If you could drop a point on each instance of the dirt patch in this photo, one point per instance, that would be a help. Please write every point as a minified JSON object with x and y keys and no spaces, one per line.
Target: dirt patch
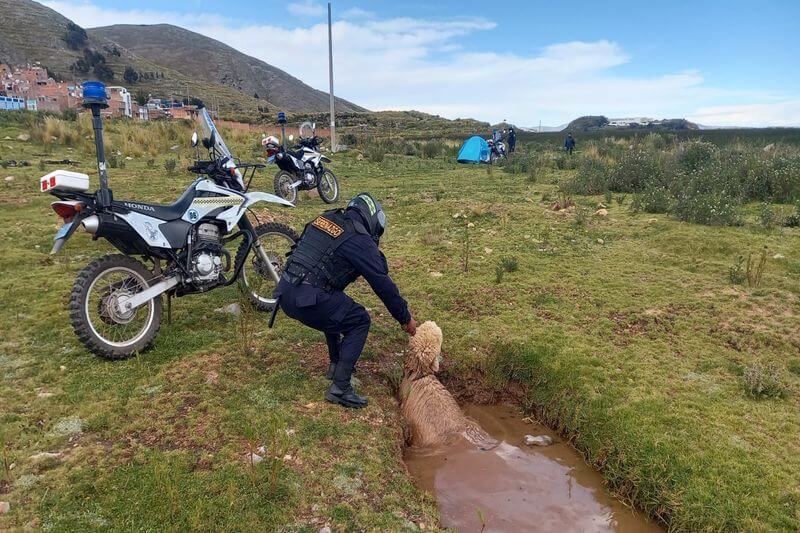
{"x":178,"y":421}
{"x":650,"y":322}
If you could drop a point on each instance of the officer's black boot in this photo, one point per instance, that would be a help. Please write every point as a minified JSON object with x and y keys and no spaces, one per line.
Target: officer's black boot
{"x":341,"y":391}
{"x":331,"y":370}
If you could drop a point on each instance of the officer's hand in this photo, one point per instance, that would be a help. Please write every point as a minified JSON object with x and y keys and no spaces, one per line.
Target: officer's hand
{"x":411,"y":327}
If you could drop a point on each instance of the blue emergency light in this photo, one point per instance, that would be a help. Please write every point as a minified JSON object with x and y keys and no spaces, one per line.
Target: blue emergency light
{"x":94,"y":93}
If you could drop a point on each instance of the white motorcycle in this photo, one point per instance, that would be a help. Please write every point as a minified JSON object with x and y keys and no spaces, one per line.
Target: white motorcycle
{"x":497,"y":150}
{"x":116,"y":306}
{"x":301,"y":168}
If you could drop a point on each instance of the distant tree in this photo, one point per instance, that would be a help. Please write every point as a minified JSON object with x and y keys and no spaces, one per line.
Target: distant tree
{"x":75,"y":36}
{"x":130,"y":75}
{"x":141,"y":97}
{"x":103,"y":71}
{"x":81,"y":66}
{"x":255,"y":95}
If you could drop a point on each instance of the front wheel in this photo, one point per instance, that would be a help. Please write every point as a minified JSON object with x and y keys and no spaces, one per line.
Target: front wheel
{"x":283,"y":186}
{"x":95,"y":317}
{"x":256,"y":280}
{"x":328,"y":187}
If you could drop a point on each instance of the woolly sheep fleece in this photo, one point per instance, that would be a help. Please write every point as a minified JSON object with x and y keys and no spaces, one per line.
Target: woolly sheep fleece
{"x":431,"y":414}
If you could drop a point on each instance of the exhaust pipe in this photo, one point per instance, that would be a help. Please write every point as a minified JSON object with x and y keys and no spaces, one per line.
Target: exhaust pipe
{"x":90,"y":224}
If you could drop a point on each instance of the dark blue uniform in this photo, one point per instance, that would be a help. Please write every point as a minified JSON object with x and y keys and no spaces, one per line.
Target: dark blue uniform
{"x":328,"y":309}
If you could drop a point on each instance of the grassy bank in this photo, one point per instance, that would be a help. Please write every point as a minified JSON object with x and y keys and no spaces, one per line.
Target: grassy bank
{"x":164,"y":439}
{"x":629,"y":332}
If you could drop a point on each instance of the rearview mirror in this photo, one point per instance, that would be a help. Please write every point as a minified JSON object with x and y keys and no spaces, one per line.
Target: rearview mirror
{"x":208,"y":144}
{"x":194,"y":139}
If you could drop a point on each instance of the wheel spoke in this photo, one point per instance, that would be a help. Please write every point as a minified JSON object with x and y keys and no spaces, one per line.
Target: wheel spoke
{"x":111,"y":326}
{"x":256,"y":275}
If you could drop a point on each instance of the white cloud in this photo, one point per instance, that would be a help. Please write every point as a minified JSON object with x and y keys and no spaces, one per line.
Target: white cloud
{"x":358,"y":13}
{"x":86,"y":14}
{"x":307,"y":8}
{"x":416,"y":63}
{"x":785,"y":113}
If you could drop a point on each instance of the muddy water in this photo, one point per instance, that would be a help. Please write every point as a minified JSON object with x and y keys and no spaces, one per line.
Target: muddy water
{"x":518,"y":488}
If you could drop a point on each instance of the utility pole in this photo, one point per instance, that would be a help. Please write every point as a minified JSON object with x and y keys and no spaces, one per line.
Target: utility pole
{"x":330,"y":71}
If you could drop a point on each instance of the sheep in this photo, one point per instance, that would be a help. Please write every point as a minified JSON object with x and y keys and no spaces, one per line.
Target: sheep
{"x":432,"y":416}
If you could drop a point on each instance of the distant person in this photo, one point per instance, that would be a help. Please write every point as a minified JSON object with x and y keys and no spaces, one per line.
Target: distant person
{"x":569,"y":143}
{"x":497,"y":136}
{"x":512,"y":140}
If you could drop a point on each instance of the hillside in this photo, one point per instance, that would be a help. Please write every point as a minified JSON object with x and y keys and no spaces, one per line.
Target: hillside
{"x":597,"y":122}
{"x":31,"y":33}
{"x":587,"y":123}
{"x":203,"y":58}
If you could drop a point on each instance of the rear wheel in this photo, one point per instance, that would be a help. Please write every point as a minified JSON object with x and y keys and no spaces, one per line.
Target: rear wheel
{"x":283,"y":186}
{"x":99,"y":324}
{"x":328,"y":187}
{"x":276,"y":240}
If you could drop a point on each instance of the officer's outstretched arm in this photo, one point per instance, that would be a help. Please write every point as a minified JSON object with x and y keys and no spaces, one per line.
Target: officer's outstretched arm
{"x":369,"y":261}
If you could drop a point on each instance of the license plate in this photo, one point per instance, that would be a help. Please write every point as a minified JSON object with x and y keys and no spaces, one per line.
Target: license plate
{"x":63,"y":231}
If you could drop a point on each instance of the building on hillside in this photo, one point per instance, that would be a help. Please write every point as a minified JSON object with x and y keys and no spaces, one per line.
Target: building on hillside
{"x":120,"y":103}
{"x":9,"y":103}
{"x":39,"y":91}
{"x":628,"y":122}
{"x":152,"y":110}
{"x":183,"y":112}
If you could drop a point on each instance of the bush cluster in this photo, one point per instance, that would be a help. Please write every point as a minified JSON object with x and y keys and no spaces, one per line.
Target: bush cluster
{"x":696,"y":181}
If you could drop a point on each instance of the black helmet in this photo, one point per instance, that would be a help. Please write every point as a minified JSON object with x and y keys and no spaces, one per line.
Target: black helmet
{"x":371,"y":213}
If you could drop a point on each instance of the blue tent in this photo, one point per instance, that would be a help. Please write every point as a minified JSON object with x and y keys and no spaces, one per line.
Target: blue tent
{"x":474,"y":150}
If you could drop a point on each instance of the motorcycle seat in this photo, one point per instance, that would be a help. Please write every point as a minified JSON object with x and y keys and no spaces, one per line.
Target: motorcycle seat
{"x":297,"y":154}
{"x":171,"y":211}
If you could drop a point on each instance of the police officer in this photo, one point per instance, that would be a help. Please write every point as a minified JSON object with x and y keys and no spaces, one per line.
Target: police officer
{"x":334,"y":250}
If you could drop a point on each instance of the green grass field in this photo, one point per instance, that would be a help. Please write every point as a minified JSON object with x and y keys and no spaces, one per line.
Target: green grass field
{"x":625,"y":332}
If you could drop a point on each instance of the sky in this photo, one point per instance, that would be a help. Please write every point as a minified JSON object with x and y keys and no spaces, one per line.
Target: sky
{"x":720,"y":63}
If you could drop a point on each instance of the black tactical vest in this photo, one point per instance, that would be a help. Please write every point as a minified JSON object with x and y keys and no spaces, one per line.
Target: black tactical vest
{"x":313,"y":261}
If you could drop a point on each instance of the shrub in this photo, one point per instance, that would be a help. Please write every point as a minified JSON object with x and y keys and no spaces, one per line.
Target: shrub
{"x":633,"y":170}
{"x":696,"y":154}
{"x":565,"y":162}
{"x":151,"y":163}
{"x":432,"y":149}
{"x":375,"y":153}
{"x":704,"y":197}
{"x":764,"y":381}
{"x":736,"y":273}
{"x":581,"y":216}
{"x":592,"y":177}
{"x":170,"y":164}
{"x":766,"y":216}
{"x":70,"y":114}
{"x":532,"y":175}
{"x":654,"y":199}
{"x":755,"y":268}
{"x":112,"y":160}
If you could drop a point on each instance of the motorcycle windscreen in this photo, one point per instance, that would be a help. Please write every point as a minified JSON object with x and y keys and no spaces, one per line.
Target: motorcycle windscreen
{"x":208,"y":127}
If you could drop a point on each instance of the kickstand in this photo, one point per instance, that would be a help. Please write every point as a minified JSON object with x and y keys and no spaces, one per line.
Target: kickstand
{"x":169,"y":309}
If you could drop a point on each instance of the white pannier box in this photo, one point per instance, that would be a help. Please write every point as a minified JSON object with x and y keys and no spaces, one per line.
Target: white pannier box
{"x":65,"y":180}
